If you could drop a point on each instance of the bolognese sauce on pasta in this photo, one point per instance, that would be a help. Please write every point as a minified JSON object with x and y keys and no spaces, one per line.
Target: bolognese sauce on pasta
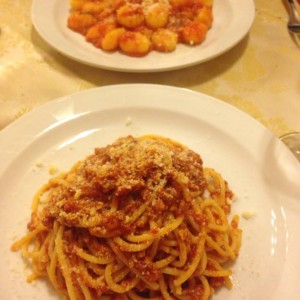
{"x":138,"y":219}
{"x":136,"y":27}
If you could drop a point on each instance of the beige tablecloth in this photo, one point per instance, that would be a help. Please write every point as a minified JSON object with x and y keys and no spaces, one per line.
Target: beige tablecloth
{"x":260,"y":75}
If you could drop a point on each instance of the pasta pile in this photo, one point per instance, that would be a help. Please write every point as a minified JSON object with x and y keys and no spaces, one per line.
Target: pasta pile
{"x":138,"y":26}
{"x":138,"y":219}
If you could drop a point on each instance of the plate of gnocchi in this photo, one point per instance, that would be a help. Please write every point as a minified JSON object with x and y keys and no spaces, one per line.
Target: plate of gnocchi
{"x":142,"y":35}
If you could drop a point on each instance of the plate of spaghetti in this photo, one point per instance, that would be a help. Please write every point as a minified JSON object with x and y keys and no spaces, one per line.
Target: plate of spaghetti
{"x":101,"y":201}
{"x":145,"y":35}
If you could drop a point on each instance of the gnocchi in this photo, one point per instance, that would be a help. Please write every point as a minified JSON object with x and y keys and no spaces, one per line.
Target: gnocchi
{"x":134,"y":43}
{"x":157,"y":16}
{"x":193,"y":33}
{"x":136,"y":27}
{"x":130,"y":15}
{"x":164,"y":40}
{"x":111,"y":40}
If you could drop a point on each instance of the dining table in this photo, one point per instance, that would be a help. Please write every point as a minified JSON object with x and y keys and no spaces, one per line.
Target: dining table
{"x":258,"y":76}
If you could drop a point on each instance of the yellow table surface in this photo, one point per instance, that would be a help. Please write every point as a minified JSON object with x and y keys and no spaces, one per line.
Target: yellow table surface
{"x":260,"y":75}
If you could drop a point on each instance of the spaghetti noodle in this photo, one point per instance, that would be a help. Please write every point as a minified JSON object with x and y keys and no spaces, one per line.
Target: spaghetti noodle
{"x":138,"y":219}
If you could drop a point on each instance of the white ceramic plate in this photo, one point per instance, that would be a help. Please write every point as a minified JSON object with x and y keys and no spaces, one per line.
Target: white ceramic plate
{"x":259,"y":168}
{"x":232,"y":21}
